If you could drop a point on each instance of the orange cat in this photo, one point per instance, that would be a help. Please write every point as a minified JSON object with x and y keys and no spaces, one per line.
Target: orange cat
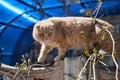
{"x":73,"y":32}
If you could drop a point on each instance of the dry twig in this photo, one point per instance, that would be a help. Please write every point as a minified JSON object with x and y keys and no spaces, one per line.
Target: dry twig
{"x":113,"y":51}
{"x":80,"y":74}
{"x":94,"y":62}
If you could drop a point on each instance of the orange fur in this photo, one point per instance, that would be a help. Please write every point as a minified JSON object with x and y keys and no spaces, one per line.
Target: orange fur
{"x":72,"y":32}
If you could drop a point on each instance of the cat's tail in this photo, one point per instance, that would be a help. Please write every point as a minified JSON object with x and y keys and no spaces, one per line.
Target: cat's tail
{"x":103,"y":23}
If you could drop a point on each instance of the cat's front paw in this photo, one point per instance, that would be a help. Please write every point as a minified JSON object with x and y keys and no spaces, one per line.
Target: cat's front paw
{"x":40,"y":60}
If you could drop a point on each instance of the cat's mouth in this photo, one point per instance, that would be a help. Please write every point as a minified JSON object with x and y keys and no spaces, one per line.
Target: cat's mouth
{"x":48,"y":40}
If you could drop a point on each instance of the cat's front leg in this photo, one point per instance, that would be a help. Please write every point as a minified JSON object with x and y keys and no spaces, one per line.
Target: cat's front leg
{"x":61,"y":53}
{"x":43,"y":52}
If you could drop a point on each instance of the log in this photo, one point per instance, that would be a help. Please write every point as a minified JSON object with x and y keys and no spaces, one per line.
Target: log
{"x":62,"y":70}
{"x":105,"y":75}
{"x":54,"y":72}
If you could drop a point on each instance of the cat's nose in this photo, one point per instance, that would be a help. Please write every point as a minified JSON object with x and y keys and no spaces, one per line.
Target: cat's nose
{"x":46,"y":38}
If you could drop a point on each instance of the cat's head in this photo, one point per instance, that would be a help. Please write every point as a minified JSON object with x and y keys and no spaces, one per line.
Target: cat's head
{"x":44,"y":31}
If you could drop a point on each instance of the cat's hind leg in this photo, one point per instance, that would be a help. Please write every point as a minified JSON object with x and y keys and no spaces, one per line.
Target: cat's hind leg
{"x":61,"y":53}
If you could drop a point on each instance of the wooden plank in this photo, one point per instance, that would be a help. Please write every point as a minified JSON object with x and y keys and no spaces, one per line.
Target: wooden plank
{"x":54,"y":72}
{"x":72,"y":67}
{"x":105,"y":75}
{"x":58,"y":71}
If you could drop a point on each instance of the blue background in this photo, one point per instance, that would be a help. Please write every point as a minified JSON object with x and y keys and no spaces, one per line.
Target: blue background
{"x":19,"y":16}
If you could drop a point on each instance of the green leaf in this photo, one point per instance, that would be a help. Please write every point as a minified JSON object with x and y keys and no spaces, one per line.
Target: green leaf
{"x":102,"y":55}
{"x":29,"y":62}
{"x":16,"y":65}
{"x":95,"y":51}
{"x":103,"y":36}
{"x":83,"y":35}
{"x":23,"y":65}
{"x":99,"y":0}
{"x":86,"y":52}
{"x":115,"y":51}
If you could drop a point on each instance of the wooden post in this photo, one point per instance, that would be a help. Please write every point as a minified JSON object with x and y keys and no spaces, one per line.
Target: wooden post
{"x":72,"y":67}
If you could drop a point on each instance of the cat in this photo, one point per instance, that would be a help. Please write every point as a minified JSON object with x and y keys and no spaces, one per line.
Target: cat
{"x":74,"y":32}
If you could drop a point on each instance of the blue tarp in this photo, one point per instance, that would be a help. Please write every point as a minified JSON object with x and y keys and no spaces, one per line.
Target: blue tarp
{"x":17,"y":18}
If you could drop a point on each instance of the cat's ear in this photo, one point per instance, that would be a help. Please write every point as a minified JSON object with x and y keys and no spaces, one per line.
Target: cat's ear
{"x":98,"y":29}
{"x":57,"y":22}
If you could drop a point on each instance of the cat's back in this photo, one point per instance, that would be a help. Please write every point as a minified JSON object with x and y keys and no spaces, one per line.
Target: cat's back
{"x":71,"y":28}
{"x":70,"y":19}
{"x":76,"y":28}
{"x":77,"y":20}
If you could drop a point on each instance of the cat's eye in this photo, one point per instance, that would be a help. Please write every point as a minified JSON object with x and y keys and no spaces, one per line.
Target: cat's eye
{"x":38,"y":27}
